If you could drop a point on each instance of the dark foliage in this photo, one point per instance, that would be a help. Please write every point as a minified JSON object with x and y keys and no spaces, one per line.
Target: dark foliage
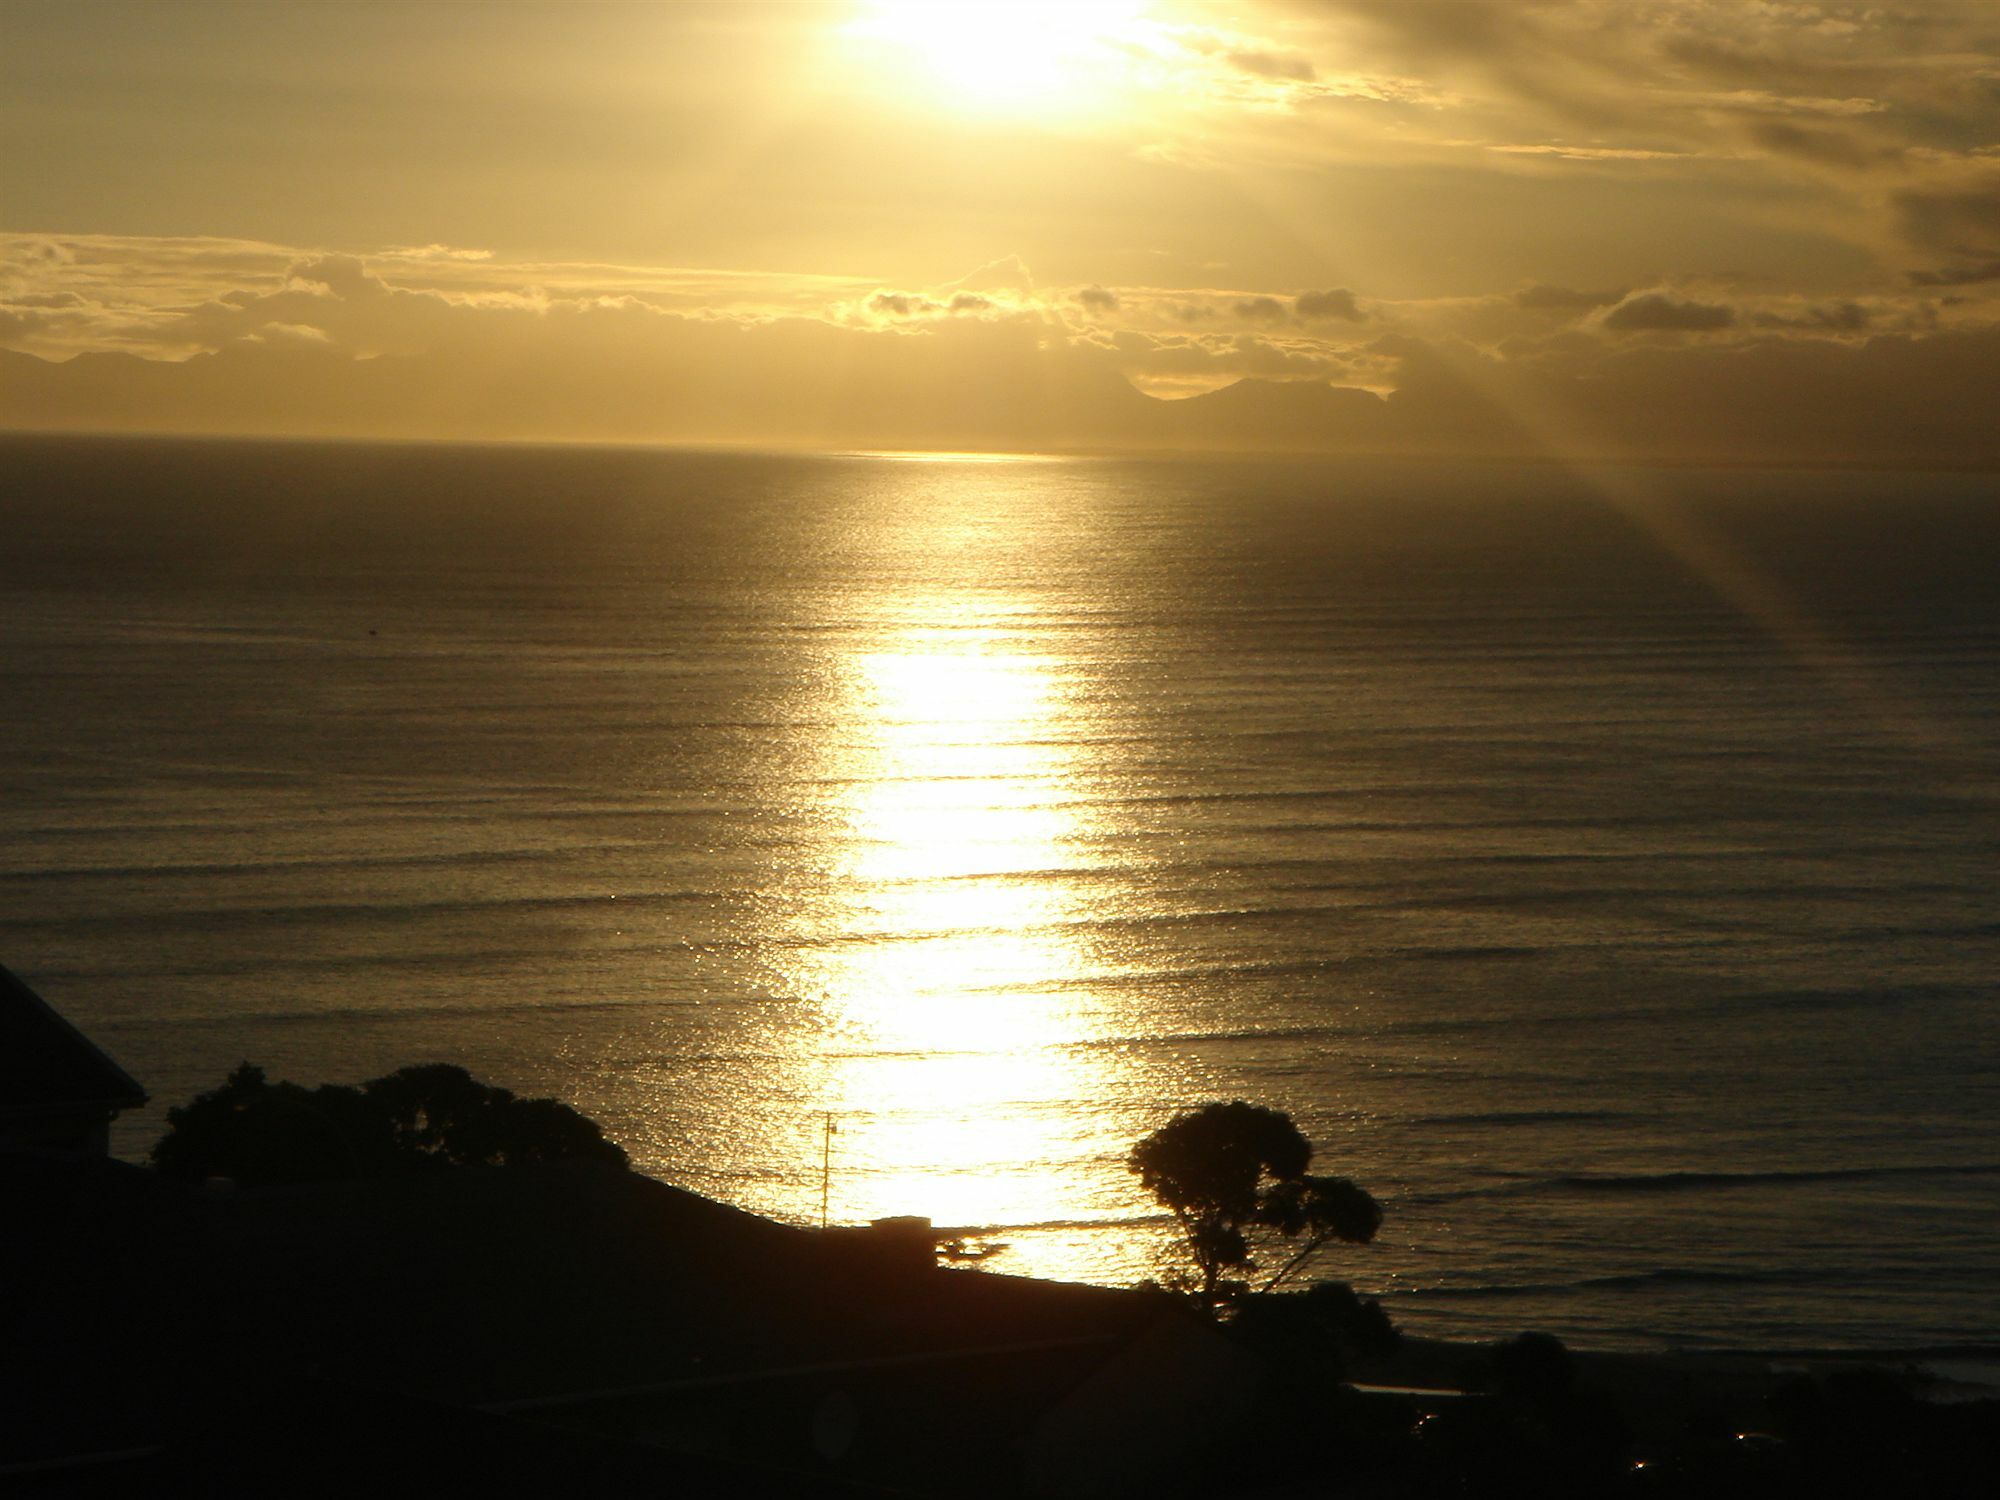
{"x":1862,"y":1432}
{"x":1540,"y":1427}
{"x":1534,"y":1367}
{"x":1234,"y":1177}
{"x":418,"y":1118}
{"x":1308,"y":1340}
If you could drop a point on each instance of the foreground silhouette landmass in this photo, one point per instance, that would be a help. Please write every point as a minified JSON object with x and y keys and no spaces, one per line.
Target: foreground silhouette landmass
{"x":582,"y":1329}
{"x":149,"y":1314}
{"x":426,"y":1286}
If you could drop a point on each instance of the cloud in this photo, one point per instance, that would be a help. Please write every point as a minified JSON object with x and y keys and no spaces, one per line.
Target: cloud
{"x":1956,"y":217}
{"x":1542,"y":297}
{"x":338,"y":296}
{"x":919,"y":305}
{"x":1828,"y":317}
{"x":436,"y":253}
{"x":1259,"y":309}
{"x":26,"y":255}
{"x":1007,"y":274}
{"x":1657,"y":312}
{"x":1827,"y":147}
{"x":1337,"y":303}
{"x":343,"y":276}
{"x":147,"y":274}
{"x":49,"y":299}
{"x":1968,"y":274}
{"x":1569,"y":151}
{"x":1830,"y":108}
{"x":1955,"y":220}
{"x":902,"y":304}
{"x":1616,"y":60}
{"x":1098,"y":299}
{"x":1763,"y":101}
{"x":1266,"y":64}
{"x":291,"y":333}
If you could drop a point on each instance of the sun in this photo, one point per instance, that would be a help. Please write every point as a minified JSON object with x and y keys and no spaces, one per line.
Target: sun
{"x":1003,"y":55}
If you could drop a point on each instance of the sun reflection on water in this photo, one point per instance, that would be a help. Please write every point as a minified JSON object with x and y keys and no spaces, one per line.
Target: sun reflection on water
{"x":944,"y":957}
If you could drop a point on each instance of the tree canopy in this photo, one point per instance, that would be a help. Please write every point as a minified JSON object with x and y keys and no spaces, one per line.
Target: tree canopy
{"x":1235,"y":1178}
{"x":418,"y":1118}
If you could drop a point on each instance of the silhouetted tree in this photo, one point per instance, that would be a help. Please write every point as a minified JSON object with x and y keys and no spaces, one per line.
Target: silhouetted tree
{"x":429,"y":1116}
{"x":435,"y":1109}
{"x":439,"y":1110}
{"x":1231,"y":1172}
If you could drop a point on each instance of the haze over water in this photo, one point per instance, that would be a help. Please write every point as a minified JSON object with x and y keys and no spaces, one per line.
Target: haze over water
{"x":1600,"y":868}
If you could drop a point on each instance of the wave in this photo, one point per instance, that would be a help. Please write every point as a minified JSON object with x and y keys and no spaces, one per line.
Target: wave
{"x":1666,"y":1276}
{"x":333,"y":913}
{"x":1471,"y":951}
{"x":1675,"y":1182}
{"x":1644,"y":1183}
{"x":1723,"y":1007}
{"x":1529,"y":1117}
{"x":1669,"y":1276}
{"x":534,"y":854}
{"x":480,"y":1010}
{"x":178,"y":868}
{"x":456,"y":959}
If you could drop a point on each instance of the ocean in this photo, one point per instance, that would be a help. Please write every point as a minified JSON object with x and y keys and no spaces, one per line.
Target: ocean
{"x":1599,"y":866}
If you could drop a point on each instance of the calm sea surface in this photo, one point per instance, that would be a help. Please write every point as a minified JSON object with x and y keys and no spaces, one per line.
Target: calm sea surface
{"x":1604,"y":869}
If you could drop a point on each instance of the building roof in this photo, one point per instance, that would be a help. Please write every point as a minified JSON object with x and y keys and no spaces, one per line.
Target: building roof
{"x":47,"y":1063}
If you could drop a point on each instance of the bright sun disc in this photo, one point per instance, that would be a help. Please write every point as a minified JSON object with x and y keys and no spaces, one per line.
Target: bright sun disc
{"x":1004,"y":54}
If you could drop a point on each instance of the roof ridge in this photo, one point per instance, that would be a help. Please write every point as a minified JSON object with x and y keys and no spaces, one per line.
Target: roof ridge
{"x":119,"y":1088}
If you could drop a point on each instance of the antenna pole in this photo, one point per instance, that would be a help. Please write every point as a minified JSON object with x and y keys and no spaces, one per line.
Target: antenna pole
{"x":825,"y":1169}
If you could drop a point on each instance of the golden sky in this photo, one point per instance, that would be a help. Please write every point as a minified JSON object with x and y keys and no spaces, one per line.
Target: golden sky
{"x":1682,"y":229}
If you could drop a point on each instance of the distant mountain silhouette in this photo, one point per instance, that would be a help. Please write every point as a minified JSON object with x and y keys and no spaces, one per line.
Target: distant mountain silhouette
{"x":1291,"y":415}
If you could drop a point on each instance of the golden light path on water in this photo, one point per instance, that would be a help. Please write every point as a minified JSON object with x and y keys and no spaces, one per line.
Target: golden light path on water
{"x":943,"y":948}
{"x":947,"y":1065}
